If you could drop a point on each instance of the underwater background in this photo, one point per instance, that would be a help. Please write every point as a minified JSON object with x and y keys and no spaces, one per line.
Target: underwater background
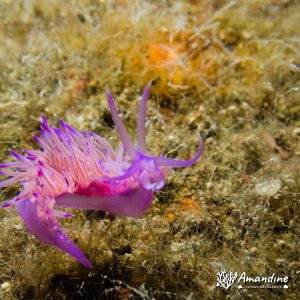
{"x":229,"y":70}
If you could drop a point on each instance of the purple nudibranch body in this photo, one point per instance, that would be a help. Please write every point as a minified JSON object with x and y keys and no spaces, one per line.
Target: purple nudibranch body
{"x":81,"y":170}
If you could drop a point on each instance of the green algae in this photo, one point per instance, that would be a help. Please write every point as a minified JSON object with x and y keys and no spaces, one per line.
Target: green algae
{"x":237,"y":208}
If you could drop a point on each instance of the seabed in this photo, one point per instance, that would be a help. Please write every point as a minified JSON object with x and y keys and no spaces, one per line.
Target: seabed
{"x":229,"y":70}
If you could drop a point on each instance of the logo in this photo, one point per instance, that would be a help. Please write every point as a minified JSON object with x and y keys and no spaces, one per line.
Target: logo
{"x":226,"y":280}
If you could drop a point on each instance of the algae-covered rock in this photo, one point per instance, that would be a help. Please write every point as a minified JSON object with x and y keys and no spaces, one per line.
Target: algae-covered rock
{"x":226,"y":69}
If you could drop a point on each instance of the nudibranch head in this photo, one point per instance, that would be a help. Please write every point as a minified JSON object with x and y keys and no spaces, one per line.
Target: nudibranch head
{"x":81,"y":170}
{"x":147,"y":169}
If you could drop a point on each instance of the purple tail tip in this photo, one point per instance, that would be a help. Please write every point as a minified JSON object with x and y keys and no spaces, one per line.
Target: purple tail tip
{"x":6,"y":204}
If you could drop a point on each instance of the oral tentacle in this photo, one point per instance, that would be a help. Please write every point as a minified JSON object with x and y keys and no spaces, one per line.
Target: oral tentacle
{"x":128,"y":173}
{"x":169,"y":162}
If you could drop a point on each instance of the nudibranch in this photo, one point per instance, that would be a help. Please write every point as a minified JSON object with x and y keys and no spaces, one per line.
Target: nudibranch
{"x":81,"y":170}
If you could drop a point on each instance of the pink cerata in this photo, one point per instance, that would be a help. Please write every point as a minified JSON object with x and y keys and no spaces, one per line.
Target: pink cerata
{"x":81,"y":170}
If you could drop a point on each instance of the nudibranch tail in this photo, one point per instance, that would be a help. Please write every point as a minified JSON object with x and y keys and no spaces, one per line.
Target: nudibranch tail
{"x":81,"y":170}
{"x":47,"y":229}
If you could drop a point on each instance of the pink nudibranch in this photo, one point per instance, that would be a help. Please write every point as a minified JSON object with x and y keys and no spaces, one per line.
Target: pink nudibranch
{"x":81,"y":170}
